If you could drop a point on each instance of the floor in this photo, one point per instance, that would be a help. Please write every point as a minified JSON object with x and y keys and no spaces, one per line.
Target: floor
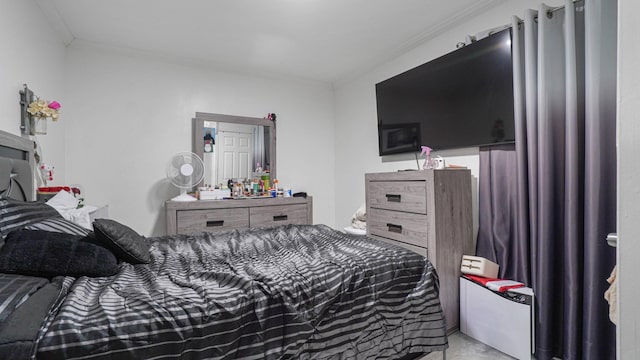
{"x":463,"y":347}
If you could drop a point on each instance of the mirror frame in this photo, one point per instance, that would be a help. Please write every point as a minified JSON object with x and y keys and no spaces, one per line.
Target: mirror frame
{"x":198,"y":134}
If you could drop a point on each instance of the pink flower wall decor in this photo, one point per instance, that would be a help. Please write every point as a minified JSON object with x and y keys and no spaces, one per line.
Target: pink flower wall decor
{"x":54,"y":105}
{"x":42,"y":109}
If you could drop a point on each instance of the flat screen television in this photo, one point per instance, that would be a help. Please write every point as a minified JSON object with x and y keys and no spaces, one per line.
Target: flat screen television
{"x":461,"y":99}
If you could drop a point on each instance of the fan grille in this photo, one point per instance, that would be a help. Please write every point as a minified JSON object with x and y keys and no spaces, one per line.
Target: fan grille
{"x":185,"y":170}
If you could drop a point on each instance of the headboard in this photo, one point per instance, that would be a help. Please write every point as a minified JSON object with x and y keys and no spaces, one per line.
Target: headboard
{"x":16,"y":167}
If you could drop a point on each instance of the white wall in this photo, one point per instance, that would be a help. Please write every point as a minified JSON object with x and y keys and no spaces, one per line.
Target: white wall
{"x":628,"y":180}
{"x":356,"y":121}
{"x":128,"y":113}
{"x":31,"y":54}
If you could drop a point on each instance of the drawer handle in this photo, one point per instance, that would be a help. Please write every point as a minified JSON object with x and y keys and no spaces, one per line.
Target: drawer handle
{"x":393,"y":197}
{"x":213,"y":223}
{"x":280,"y":217}
{"x":394,"y":228}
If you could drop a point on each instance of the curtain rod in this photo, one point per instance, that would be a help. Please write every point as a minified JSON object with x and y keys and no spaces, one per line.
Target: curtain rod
{"x":552,"y":10}
{"x":520,"y":21}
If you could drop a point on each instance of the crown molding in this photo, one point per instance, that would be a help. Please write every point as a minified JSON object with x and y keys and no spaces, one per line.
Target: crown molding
{"x":479,"y":7}
{"x":56,"y":21}
{"x":189,"y":62}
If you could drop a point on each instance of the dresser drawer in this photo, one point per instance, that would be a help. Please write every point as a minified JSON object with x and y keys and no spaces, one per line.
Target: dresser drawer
{"x":404,"y":227}
{"x":278,"y":215}
{"x":408,"y":196}
{"x":192,"y":221}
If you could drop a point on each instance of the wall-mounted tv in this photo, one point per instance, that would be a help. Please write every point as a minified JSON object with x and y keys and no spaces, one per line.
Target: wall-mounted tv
{"x":461,"y":99}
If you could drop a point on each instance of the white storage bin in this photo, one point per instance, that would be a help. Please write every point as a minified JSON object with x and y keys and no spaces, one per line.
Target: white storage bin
{"x":504,"y":322}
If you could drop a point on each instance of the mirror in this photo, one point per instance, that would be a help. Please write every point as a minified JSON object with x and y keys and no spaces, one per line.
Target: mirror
{"x":234,"y":147}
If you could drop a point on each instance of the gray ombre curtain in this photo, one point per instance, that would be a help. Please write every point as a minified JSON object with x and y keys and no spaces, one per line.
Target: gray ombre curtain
{"x":547,"y":206}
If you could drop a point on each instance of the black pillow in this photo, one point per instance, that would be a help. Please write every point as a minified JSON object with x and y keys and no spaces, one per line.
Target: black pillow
{"x":49,"y":254}
{"x":123,"y":241}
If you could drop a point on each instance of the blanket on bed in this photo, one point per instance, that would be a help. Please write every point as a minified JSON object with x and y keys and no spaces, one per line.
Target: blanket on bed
{"x":290,"y":292}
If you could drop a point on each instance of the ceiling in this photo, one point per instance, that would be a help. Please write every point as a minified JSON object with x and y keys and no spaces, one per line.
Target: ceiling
{"x":323,"y":40}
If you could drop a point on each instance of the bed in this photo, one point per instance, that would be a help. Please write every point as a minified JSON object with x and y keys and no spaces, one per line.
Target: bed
{"x":287,"y":292}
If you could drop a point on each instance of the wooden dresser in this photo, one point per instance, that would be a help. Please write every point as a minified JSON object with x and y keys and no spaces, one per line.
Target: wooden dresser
{"x":428,"y":212}
{"x":216,"y":215}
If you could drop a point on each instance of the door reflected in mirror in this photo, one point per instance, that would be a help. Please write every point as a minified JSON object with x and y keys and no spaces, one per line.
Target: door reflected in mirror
{"x":234,"y":147}
{"x":234,"y":151}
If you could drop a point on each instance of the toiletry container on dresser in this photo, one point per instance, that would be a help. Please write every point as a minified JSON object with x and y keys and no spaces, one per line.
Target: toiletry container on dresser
{"x":428,"y":212}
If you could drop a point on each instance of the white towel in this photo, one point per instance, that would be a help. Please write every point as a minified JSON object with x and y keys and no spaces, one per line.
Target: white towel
{"x":612,"y":294}
{"x":67,"y":205}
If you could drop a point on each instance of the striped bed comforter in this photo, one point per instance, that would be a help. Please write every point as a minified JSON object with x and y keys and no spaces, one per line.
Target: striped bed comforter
{"x":290,"y":292}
